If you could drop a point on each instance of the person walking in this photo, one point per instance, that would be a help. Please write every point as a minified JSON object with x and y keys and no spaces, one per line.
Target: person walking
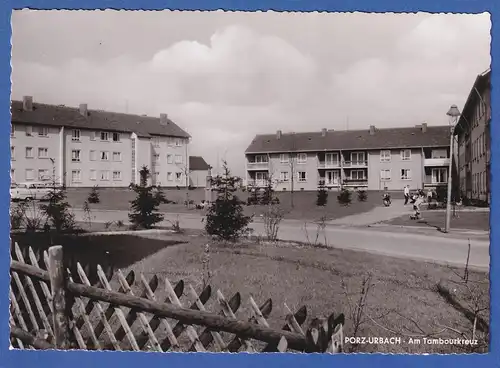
{"x":407,"y":194}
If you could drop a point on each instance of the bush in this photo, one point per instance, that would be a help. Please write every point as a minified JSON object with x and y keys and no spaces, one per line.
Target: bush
{"x":362,"y":195}
{"x":57,"y":210}
{"x":17,"y":216}
{"x":144,"y":208}
{"x":272,"y":219}
{"x":442,"y":193}
{"x":254,"y":198}
{"x":322,"y":196}
{"x":225,"y":218}
{"x":94,"y":196}
{"x":344,"y":198}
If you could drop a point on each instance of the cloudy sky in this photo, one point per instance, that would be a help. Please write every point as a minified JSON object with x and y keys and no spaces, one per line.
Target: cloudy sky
{"x":225,"y":77}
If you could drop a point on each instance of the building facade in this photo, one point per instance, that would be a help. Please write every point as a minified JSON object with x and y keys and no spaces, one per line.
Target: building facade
{"x":473,"y":136}
{"x":375,"y":159}
{"x":199,"y":171}
{"x":78,"y":147}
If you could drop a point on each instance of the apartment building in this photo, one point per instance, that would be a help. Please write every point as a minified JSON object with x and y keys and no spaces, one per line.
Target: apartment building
{"x":373,"y":159}
{"x":473,"y":135}
{"x":79,"y":147}
{"x":199,"y":171}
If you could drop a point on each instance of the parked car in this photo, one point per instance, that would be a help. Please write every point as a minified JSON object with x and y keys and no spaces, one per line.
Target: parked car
{"x":29,"y":191}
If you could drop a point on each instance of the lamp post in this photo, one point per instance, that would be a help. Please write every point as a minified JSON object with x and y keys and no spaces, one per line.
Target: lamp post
{"x":453,"y":114}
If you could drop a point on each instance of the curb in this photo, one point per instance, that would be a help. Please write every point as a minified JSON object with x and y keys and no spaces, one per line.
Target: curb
{"x":456,"y":230}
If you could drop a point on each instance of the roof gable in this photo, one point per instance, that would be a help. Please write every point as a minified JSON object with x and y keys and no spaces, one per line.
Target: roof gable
{"x":197,"y":163}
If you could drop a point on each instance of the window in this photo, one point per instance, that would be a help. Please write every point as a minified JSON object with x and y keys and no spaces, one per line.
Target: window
{"x":331,"y":159}
{"x":302,"y":158}
{"x":284,"y":158}
{"x":12,"y":130}
{"x":261,"y":159}
{"x":12,"y":153}
{"x":29,"y":130}
{"x":104,"y":136}
{"x":156,"y":158}
{"x":170,"y":159}
{"x":104,"y":156}
{"x":75,"y":135}
{"x":405,"y":174}
{"x":178,"y":142}
{"x":385,"y":174}
{"x":93,"y":175}
{"x":406,"y":155}
{"x":302,"y":176}
{"x":30,"y":174}
{"x":385,"y":156}
{"x":76,"y":176}
{"x":43,"y":174}
{"x":43,"y":152}
{"x":117,"y":175}
{"x":117,"y":156}
{"x":92,"y":155}
{"x":13,"y":175}
{"x":178,"y":159}
{"x":93,"y":136}
{"x":439,"y":153}
{"x":284,"y":176}
{"x":156,"y":175}
{"x":439,"y":175}
{"x":75,"y":155}
{"x":156,"y":141}
{"x":104,"y":175}
{"x":170,"y":142}
{"x":170,"y":176}
{"x":178,"y":176}
{"x":116,"y":137}
{"x":357,"y":158}
{"x":357,"y":175}
{"x":43,"y":131}
{"x":29,"y":152}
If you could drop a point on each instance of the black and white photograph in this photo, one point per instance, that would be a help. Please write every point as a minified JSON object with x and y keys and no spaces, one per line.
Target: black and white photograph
{"x":256,"y":182}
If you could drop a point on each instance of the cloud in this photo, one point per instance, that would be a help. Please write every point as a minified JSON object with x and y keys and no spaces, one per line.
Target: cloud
{"x":256,"y":75}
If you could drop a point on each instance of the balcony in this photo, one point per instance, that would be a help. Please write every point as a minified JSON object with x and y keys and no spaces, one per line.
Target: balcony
{"x":436,"y":162}
{"x":257,"y":183}
{"x":257,"y":165}
{"x":355,"y":164}
{"x":328,"y":164}
{"x":356,"y":182}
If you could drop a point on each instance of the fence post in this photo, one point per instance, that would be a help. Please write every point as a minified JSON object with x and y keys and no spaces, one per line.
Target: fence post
{"x":57,"y":276}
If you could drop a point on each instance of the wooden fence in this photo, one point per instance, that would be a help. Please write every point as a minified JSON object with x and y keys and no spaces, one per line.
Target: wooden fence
{"x":52,"y":308}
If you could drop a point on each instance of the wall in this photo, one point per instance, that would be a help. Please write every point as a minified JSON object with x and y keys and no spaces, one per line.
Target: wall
{"x":198,"y":178}
{"x":91,"y":141}
{"x":396,"y":164}
{"x":310,"y":167}
{"x":20,"y":163}
{"x":168,"y":172}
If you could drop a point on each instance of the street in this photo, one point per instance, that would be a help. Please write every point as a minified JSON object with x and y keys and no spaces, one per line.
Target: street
{"x":433,"y":247}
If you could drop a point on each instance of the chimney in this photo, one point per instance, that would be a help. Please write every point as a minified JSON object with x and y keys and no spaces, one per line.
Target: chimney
{"x":372,"y":129}
{"x":83,"y":110}
{"x":424,"y":127}
{"x":163,"y":119}
{"x":278,"y":134}
{"x":28,"y":103}
{"x":323,"y":132}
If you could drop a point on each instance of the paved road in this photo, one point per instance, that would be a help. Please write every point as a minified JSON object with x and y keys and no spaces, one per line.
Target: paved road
{"x":442,"y":248}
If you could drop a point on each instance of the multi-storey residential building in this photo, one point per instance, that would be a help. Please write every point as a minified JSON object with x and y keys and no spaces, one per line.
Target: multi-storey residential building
{"x":374,"y":159}
{"x":473,"y":133}
{"x":79,"y":147}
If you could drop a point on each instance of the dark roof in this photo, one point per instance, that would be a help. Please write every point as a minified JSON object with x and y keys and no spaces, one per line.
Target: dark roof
{"x":482,"y":82}
{"x":197,"y":163}
{"x":54,"y":115}
{"x":434,"y":136}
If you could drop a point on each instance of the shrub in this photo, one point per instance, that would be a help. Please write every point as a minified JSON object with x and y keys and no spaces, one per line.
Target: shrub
{"x":57,"y":210}
{"x":272,"y":219}
{"x":144,"y":208}
{"x":442,"y":193}
{"x":254,"y":198}
{"x":344,"y":197}
{"x":362,"y":195}
{"x":225,"y":218}
{"x":322,"y":196}
{"x":94,"y":196}
{"x":17,"y":216}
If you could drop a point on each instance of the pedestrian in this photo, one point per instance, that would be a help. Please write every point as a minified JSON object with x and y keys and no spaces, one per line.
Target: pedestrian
{"x":429,"y":196}
{"x":407,"y":194}
{"x":416,"y":206}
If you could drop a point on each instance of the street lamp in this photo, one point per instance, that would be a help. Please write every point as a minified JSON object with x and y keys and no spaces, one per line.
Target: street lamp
{"x":453,"y":114}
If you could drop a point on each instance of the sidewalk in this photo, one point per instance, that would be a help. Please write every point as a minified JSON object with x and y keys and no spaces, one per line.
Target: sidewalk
{"x":377,"y":214}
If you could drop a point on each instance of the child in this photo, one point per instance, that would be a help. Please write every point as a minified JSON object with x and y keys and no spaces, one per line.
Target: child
{"x":416,"y":206}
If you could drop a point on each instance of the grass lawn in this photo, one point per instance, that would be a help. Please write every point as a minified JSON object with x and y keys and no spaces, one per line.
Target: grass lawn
{"x":304,"y":202}
{"x":436,"y":219}
{"x":403,"y":299}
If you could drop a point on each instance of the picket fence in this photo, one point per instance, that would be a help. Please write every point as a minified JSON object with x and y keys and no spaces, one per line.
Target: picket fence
{"x":51,"y":308}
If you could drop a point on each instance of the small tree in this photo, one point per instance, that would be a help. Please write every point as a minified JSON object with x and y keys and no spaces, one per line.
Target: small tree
{"x":225,"y":218}
{"x":94,"y":195}
{"x":362,"y":196}
{"x":57,"y":210}
{"x":344,"y":197}
{"x":322,"y":196}
{"x":144,"y":208}
{"x":254,"y":197}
